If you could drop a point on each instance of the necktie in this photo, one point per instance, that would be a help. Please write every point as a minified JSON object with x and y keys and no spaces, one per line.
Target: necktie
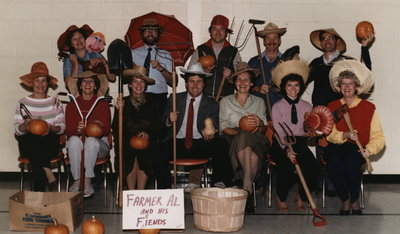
{"x":293,"y":110}
{"x":147,"y":60}
{"x":189,"y":126}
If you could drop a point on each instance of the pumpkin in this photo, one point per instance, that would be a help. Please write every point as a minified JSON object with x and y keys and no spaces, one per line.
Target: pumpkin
{"x":56,"y":228}
{"x":363,"y":29}
{"x":244,"y":124}
{"x":209,"y":129}
{"x":207,"y":61}
{"x":149,"y":231}
{"x":94,"y":129}
{"x":38,"y":127}
{"x":93,"y":226}
{"x":139,"y":143}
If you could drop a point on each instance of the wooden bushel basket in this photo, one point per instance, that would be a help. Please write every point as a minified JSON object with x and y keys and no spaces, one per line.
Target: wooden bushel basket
{"x":219,"y":210}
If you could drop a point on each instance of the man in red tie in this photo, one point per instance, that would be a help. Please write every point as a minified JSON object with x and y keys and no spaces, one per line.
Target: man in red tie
{"x":193,"y":108}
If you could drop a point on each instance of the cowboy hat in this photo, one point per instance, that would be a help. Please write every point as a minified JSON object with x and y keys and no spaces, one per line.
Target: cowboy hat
{"x":196,"y":69}
{"x":363,"y":74}
{"x":241,"y":67}
{"x":38,"y":69}
{"x":220,"y":20}
{"x":62,"y":40}
{"x":150,"y":23}
{"x":290,"y":67}
{"x":73,"y":83}
{"x":139,"y":72}
{"x":271,"y":28}
{"x":314,"y":38}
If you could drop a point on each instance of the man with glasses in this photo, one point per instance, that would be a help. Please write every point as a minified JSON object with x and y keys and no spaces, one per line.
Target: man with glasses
{"x":158,"y":62}
{"x":225,"y":55}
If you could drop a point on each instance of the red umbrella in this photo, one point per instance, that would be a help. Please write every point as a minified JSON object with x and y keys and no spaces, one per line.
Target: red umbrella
{"x":175,"y":37}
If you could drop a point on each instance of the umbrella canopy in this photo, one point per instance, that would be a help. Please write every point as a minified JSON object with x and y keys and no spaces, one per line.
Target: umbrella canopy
{"x":175,"y":37}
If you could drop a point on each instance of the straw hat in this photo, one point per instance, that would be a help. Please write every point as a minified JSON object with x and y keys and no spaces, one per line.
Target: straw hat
{"x":220,"y":20}
{"x":73,"y":83}
{"x":241,"y":67}
{"x":150,"y":23}
{"x":290,"y":67}
{"x":271,"y":28}
{"x":62,"y":40}
{"x":139,"y":72}
{"x":38,"y":69}
{"x":363,"y":74}
{"x":314,"y":38}
{"x":196,"y":69}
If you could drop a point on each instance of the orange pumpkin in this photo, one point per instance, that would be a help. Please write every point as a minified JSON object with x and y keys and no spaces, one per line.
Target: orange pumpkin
{"x":56,"y":228}
{"x":93,"y":226}
{"x":94,"y":129}
{"x":38,"y":127}
{"x":139,"y":143}
{"x":363,"y":29}
{"x":207,"y":61}
{"x":245,"y":125}
{"x":149,"y":231}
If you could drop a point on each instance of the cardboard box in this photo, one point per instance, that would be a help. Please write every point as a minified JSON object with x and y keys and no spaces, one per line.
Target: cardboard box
{"x":33,"y":211}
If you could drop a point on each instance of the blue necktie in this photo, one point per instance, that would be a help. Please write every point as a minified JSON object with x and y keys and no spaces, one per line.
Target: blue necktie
{"x":147,"y":60}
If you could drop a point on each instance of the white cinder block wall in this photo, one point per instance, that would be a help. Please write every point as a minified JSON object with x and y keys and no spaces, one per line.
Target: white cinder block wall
{"x":30,"y":29}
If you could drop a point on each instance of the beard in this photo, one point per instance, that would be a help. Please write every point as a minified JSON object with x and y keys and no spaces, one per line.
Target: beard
{"x":148,"y":41}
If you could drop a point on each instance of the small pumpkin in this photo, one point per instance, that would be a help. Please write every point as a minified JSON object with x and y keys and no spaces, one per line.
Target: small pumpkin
{"x":56,"y":228}
{"x":363,"y":29}
{"x":244,"y":124}
{"x":139,"y":143}
{"x":209,"y":129}
{"x":93,"y":226}
{"x":94,"y":129}
{"x":38,"y":127}
{"x":149,"y":231}
{"x":207,"y":61}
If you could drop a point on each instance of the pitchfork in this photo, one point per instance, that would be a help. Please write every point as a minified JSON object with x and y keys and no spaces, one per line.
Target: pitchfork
{"x":290,"y":140}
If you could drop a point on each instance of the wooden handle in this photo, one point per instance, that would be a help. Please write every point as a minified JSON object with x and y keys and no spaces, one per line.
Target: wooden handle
{"x":220,"y":89}
{"x":120,"y":148}
{"x":360,"y":147}
{"x":174,"y":124}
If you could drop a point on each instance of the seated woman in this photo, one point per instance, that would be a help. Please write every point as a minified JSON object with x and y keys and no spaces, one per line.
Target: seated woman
{"x":344,"y":161}
{"x":88,"y":87}
{"x":140,"y":118}
{"x":291,"y":76}
{"x":40,"y":148}
{"x":73,"y":41}
{"x":247,"y":148}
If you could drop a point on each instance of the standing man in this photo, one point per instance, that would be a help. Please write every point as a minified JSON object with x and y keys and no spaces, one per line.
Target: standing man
{"x":158,"y":62}
{"x":225,"y":55}
{"x":192,"y":109}
{"x":270,"y":58}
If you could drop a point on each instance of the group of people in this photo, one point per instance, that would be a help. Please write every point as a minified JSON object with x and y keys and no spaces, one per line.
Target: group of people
{"x":238,"y":155}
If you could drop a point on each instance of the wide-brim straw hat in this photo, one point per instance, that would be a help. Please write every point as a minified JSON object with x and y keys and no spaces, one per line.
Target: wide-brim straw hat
{"x":38,"y":69}
{"x":62,"y":40}
{"x":73,"y":83}
{"x":271,"y":28}
{"x":196,"y":69}
{"x":290,"y":67}
{"x":139,"y":72}
{"x":364,"y":75}
{"x":241,"y":67}
{"x":314,"y":38}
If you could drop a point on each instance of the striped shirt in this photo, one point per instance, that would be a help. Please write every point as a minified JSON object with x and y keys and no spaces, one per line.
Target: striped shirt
{"x":48,"y":109}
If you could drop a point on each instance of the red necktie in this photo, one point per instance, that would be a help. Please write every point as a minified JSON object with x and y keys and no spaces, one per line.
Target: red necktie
{"x":189,"y":126}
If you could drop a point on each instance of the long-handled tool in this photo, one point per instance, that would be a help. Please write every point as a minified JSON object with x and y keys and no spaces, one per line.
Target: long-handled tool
{"x":254,"y":22}
{"x":289,"y":140}
{"x":174,"y":123}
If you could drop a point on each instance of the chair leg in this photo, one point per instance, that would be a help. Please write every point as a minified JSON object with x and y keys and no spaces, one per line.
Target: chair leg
{"x":205,"y":176}
{"x":269,"y":186}
{"x":22,"y":165}
{"x":59,"y":175}
{"x":254,"y":194}
{"x":67,"y":172}
{"x":30,"y":176}
{"x":105,"y":184}
{"x":324,"y":190}
{"x":362,"y":196}
{"x":117,"y":192}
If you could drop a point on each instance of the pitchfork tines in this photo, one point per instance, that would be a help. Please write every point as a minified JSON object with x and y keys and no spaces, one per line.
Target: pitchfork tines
{"x":289,"y":137}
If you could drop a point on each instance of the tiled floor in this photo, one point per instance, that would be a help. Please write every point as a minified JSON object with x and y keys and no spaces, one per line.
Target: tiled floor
{"x":381,"y":215}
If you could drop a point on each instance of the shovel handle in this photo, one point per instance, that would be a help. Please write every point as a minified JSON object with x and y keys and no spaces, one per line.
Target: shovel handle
{"x":360,"y":147}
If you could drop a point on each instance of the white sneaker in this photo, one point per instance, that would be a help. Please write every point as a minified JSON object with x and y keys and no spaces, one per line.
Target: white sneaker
{"x":88,"y":191}
{"x":74,"y":187}
{"x":190,"y":187}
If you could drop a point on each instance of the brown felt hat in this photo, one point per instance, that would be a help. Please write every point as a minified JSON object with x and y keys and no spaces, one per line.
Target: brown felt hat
{"x":62,"y":40}
{"x":241,"y":67}
{"x":38,"y":69}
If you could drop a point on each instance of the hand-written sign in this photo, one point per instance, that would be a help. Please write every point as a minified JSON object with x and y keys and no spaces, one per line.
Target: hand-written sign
{"x":158,"y":209}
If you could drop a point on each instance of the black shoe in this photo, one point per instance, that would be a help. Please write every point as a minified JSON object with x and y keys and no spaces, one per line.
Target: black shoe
{"x":356,"y":212}
{"x":344,"y":212}
{"x":249,"y":204}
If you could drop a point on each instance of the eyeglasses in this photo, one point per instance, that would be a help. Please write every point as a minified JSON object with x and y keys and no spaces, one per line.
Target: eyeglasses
{"x":329,"y":38}
{"x":149,"y":30}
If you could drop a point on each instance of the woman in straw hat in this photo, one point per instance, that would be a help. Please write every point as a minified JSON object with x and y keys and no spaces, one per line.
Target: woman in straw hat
{"x":39,"y":149}
{"x":291,"y":77}
{"x":141,"y":118}
{"x":73,"y":41}
{"x":352,"y":78}
{"x":87,"y":87}
{"x":247,"y":148}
